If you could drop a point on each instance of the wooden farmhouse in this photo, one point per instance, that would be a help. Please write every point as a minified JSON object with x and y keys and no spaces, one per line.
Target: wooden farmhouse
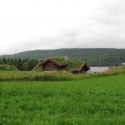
{"x":60,"y":64}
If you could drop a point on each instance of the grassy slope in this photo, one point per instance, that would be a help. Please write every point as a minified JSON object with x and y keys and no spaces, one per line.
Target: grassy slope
{"x":96,"y":101}
{"x":54,"y":76}
{"x":40,"y":76}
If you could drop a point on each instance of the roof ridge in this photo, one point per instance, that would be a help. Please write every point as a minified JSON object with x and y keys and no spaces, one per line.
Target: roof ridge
{"x":50,"y":59}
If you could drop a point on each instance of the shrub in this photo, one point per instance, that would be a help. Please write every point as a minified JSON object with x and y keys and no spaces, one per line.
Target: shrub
{"x":7,"y":67}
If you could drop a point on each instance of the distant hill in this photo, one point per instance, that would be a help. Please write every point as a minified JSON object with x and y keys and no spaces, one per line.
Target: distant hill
{"x":94,"y":57}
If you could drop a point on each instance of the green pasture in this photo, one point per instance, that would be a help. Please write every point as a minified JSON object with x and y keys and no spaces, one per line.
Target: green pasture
{"x":94,"y":101}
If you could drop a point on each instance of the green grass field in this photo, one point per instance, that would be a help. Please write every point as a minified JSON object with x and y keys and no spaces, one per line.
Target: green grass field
{"x":95,"y":101}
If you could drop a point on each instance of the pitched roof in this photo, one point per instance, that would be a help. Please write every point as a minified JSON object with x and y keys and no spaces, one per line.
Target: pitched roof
{"x":51,"y":60}
{"x":85,"y":65}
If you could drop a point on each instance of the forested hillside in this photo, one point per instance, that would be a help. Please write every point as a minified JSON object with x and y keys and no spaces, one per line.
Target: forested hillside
{"x":94,"y":57}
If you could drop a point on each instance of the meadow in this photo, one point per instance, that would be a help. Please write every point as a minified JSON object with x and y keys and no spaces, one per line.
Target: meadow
{"x":93,"y":101}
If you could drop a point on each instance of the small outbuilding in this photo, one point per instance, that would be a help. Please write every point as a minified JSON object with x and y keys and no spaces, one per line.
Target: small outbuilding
{"x":83,"y":69}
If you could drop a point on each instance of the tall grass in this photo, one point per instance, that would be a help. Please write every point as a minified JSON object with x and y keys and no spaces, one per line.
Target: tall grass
{"x":39,"y":76}
{"x":54,"y":76}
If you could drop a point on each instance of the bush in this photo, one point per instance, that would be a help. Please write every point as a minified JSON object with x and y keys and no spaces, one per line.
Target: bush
{"x":7,"y":67}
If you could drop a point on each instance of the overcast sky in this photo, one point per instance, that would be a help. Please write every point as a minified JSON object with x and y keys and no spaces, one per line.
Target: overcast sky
{"x":51,"y":24}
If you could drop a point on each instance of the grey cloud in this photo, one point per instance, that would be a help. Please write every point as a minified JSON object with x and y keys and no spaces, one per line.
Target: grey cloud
{"x":71,"y":33}
{"x":112,"y":13}
{"x":102,"y":27}
{"x":64,"y":42}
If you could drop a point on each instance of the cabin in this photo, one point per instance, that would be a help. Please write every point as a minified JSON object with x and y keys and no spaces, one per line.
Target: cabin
{"x":61,"y":64}
{"x":83,"y":69}
{"x":51,"y":65}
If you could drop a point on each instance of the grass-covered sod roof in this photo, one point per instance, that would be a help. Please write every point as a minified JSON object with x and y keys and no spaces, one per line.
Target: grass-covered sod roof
{"x":69,"y":64}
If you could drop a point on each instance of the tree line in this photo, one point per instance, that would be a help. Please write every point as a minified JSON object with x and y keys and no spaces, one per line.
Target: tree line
{"x":94,"y":57}
{"x":21,"y":64}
